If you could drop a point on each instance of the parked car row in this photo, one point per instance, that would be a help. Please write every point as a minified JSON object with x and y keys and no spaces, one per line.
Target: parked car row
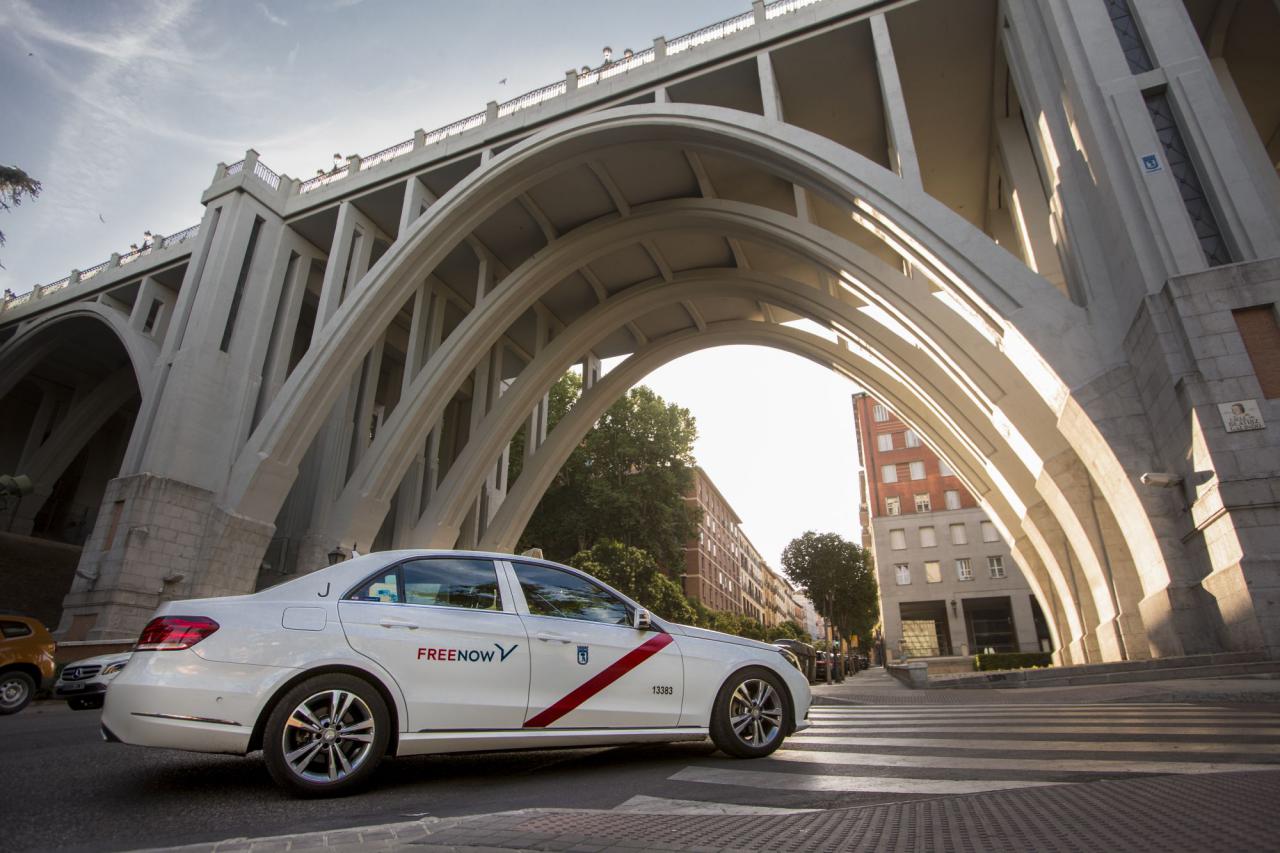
{"x":813,"y":663}
{"x":27,"y":666}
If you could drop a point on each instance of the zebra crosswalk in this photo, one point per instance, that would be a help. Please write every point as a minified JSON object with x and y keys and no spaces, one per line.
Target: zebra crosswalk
{"x":939,"y":750}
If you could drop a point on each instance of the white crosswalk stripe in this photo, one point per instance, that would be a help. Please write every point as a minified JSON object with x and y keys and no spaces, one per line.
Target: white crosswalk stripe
{"x":934,"y":751}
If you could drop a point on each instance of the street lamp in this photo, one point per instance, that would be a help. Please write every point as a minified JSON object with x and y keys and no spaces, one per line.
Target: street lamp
{"x":336,"y":555}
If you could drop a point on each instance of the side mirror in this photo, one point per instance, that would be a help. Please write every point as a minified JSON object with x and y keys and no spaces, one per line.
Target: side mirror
{"x":642,"y":621}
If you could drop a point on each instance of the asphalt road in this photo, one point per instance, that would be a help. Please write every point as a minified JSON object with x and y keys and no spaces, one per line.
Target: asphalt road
{"x":64,"y":788}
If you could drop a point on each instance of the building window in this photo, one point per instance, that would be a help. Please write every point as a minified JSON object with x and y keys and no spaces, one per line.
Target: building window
{"x":928,"y":539}
{"x":1261,"y":336}
{"x":944,"y":469}
{"x":959,"y":536}
{"x":922,"y":503}
{"x":933,"y":571}
{"x":995,"y":565}
{"x":989,"y":533}
{"x":911,"y":438}
{"x":898,"y":540}
{"x":964,"y":571}
{"x":888,"y":473}
{"x":893,"y":506}
{"x":879,"y":413}
{"x":953,"y":498}
{"x":917,"y":470}
{"x":884,"y":441}
{"x":903,"y":572}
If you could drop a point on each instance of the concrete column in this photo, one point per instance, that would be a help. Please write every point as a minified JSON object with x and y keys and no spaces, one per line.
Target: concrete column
{"x":415,"y":196}
{"x":276,"y":370}
{"x":590,"y":371}
{"x":769,"y":94}
{"x":419,"y":333}
{"x":148,"y":292}
{"x":1226,"y":155}
{"x":1024,"y":623}
{"x":1027,"y":206}
{"x":902,"y":146}
{"x":367,"y":397}
{"x":338,"y":268}
{"x":41,"y":426}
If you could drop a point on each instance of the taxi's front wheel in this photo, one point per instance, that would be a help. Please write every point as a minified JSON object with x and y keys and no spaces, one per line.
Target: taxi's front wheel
{"x":326,"y":736}
{"x":749,"y":719}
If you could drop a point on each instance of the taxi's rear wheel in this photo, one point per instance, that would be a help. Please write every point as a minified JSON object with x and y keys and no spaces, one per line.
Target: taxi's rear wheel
{"x":326,"y":736}
{"x":16,"y":690}
{"x":749,"y":719}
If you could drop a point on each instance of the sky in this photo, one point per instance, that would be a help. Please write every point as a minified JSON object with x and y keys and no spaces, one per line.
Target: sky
{"x":123,"y":109}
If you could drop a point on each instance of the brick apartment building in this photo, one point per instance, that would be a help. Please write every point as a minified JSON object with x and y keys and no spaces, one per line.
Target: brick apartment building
{"x":724,"y":571}
{"x":948,"y":585}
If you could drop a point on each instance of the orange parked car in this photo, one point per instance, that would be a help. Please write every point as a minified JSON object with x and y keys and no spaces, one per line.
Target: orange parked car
{"x":26,"y":661}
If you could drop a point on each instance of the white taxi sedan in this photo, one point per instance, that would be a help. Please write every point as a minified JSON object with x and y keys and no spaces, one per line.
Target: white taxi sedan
{"x":413,"y":652}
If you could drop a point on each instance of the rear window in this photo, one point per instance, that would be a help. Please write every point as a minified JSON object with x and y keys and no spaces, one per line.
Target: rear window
{"x":14,"y":629}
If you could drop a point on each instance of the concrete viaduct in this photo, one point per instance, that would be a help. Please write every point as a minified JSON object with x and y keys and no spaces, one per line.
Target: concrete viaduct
{"x":1047,"y":234}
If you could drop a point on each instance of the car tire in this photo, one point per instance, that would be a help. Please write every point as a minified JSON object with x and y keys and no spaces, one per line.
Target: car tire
{"x":16,"y":690}
{"x":313,"y":752}
{"x":89,"y":703}
{"x":751,"y":715}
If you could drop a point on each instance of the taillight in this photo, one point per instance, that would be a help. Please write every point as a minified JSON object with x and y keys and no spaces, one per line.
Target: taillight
{"x":168,"y":633}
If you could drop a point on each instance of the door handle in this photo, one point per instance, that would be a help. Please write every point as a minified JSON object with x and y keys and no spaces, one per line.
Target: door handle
{"x":388,"y":622}
{"x":553,"y":638}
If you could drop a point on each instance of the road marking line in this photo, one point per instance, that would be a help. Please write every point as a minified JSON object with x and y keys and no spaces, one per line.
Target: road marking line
{"x":963,"y":726}
{"x":1043,"y":765}
{"x":1039,"y":745}
{"x":640,"y":804}
{"x":850,"y":784}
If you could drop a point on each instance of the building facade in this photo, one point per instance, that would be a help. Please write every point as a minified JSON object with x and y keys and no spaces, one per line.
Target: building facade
{"x":948,"y":582}
{"x":724,"y":571}
{"x":1048,"y":234}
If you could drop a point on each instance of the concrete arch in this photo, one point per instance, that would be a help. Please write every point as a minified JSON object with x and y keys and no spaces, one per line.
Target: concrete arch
{"x":84,"y":420}
{"x":514,"y":513}
{"x":942,"y":385}
{"x":1023,"y":323}
{"x":17,"y":351}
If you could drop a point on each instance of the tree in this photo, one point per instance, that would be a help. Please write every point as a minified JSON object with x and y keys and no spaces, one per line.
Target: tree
{"x":838,"y":577}
{"x":14,"y":184}
{"x":635,"y":573}
{"x":626,"y":481}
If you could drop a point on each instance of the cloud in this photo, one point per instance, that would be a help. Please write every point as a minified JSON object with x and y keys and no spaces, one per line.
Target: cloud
{"x":293,"y":54}
{"x":272,"y":17}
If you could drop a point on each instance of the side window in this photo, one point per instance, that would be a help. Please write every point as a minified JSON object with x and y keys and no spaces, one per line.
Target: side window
{"x":551,"y":592}
{"x":471,"y":584}
{"x":14,"y":629}
{"x":383,"y":587}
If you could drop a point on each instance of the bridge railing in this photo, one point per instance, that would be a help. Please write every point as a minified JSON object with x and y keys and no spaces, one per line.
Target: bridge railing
{"x":536,"y":97}
{"x":11,"y":300}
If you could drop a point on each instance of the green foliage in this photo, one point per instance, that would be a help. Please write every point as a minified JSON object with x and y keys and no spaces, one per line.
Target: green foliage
{"x":14,"y":184}
{"x":635,"y":573}
{"x":626,"y":481}
{"x":1011,"y":660}
{"x":838,"y":577}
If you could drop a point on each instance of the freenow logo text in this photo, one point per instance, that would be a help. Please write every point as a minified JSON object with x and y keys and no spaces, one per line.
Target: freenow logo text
{"x":467,"y":655}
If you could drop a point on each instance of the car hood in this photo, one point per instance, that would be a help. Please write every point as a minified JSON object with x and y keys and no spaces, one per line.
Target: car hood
{"x":100,"y":660}
{"x":706,"y":634}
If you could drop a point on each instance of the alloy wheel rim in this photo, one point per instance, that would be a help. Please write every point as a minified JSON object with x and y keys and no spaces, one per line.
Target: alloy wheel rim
{"x":328,"y":736}
{"x":755,"y":712}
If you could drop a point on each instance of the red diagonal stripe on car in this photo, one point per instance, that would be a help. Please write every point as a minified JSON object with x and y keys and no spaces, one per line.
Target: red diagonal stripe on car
{"x":600,"y":681}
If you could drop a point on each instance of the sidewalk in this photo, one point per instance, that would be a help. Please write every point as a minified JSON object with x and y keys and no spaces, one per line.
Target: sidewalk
{"x":1225,"y":812}
{"x":876,"y":687}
